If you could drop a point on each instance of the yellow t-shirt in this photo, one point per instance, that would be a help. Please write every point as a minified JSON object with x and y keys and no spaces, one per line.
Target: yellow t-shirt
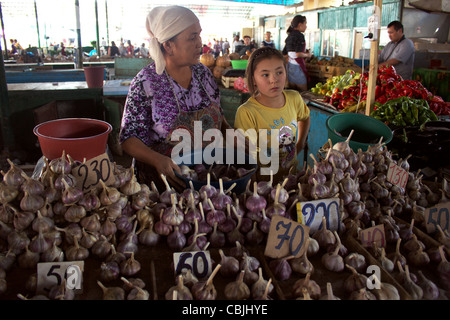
{"x":281,"y":125}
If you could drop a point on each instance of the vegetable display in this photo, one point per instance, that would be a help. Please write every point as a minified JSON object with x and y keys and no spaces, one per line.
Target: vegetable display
{"x":404,"y":111}
{"x":389,"y":86}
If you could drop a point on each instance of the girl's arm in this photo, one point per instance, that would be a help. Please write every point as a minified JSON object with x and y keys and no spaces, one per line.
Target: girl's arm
{"x":303,"y":129}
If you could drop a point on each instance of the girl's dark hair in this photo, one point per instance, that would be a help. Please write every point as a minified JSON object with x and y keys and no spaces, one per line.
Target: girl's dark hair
{"x":294,"y":23}
{"x":257,"y":56}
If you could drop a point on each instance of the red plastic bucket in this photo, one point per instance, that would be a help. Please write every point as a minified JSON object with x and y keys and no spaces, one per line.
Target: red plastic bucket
{"x":81,"y":138}
{"x":94,"y":76}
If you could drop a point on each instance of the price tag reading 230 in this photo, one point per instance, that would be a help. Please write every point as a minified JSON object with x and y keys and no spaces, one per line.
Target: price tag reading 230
{"x":310,"y":213}
{"x":286,"y":237}
{"x":89,"y":173}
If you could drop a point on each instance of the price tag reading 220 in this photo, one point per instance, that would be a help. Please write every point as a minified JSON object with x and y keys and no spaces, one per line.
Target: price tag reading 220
{"x":286,"y":237}
{"x":89,"y":174}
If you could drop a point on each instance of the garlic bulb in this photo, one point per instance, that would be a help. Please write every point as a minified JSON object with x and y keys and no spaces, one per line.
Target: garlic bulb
{"x":330,"y":295}
{"x":130,"y":266}
{"x":362,"y":294}
{"x":112,"y":293}
{"x":324,"y":236}
{"x":333,"y":261}
{"x":311,"y":286}
{"x":354,"y":282}
{"x":183,"y":292}
{"x":230,"y":265}
{"x":205,"y":290}
{"x":237,"y":290}
{"x":386,"y":292}
{"x":302,"y":264}
{"x":261,"y":286}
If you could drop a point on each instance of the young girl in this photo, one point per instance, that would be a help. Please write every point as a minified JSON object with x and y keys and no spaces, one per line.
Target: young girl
{"x":271,"y":107}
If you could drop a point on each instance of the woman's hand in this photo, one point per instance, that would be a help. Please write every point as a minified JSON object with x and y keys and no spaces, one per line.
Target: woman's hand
{"x":161,"y":163}
{"x":166,"y":166}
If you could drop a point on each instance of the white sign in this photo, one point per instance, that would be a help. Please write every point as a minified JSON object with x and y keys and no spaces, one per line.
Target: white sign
{"x":199,"y":262}
{"x":50,"y":274}
{"x":310,"y":213}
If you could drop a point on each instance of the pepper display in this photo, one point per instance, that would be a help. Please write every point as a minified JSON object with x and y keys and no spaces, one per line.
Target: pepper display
{"x":389,"y":86}
{"x":404,"y":111}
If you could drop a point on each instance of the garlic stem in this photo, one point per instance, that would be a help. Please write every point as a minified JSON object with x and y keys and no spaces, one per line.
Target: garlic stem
{"x":212,"y":275}
{"x":163,"y":177}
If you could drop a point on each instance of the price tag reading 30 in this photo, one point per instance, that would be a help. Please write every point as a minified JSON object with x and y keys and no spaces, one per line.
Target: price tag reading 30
{"x":286,"y":237}
{"x":397,"y":175}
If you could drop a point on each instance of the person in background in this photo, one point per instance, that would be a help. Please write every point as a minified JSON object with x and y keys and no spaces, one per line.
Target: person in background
{"x":267,"y":42}
{"x":143,"y":51}
{"x":130,"y":49}
{"x":296,"y":50}
{"x":206,"y":49}
{"x":122,"y":49}
{"x":217,"y":48}
{"x":226,"y":47}
{"x":103,"y":48}
{"x":63,"y":49}
{"x":248,"y":47}
{"x":399,"y":52}
{"x":271,"y":107}
{"x":13,"y":47}
{"x":169,"y":94}
{"x":236,"y":42}
{"x":113,"y":50}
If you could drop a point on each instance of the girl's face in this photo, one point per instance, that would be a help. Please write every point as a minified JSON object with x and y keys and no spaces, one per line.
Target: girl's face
{"x":187,"y":46}
{"x":270,"y":77}
{"x":301,"y":26}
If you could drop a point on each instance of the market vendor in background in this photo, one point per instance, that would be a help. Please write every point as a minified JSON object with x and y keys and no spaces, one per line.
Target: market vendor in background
{"x":267,"y":42}
{"x":248,"y":47}
{"x":273,"y":108}
{"x":172,"y":92}
{"x":399,"y":52}
{"x":296,"y":50}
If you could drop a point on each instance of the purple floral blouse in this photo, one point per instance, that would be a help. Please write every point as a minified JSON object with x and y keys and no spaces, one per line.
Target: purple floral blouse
{"x":151,"y":107}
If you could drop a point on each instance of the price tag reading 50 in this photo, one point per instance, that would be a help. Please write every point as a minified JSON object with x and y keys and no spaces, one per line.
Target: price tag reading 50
{"x":286,"y":237}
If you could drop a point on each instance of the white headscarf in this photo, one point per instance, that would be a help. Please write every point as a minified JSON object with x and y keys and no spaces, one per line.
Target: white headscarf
{"x":163,"y":23}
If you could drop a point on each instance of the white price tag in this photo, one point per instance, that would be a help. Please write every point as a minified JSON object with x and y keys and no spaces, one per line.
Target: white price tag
{"x":397,"y":175}
{"x":53,"y":273}
{"x":199,"y":262}
{"x":310,"y":213}
{"x":438,"y":215}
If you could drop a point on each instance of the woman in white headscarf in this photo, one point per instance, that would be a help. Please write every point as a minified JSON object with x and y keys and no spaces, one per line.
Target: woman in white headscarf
{"x":170,"y":93}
